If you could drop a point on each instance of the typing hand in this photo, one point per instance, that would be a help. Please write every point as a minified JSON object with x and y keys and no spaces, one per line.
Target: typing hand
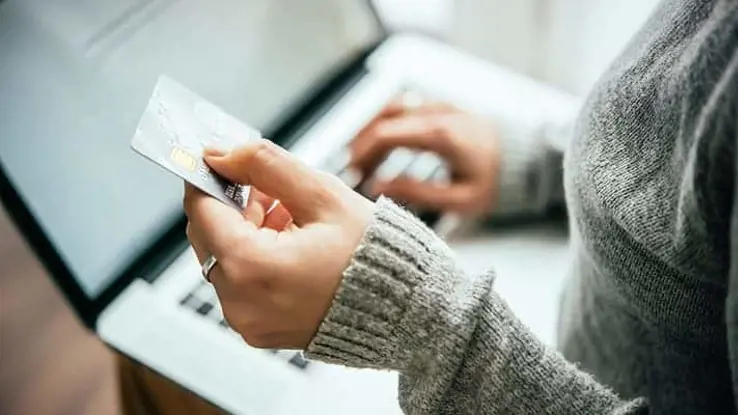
{"x":467,"y":143}
{"x":277,"y":270}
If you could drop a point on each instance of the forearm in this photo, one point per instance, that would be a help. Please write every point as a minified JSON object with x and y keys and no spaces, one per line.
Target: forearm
{"x":509,"y":371}
{"x":404,"y":305}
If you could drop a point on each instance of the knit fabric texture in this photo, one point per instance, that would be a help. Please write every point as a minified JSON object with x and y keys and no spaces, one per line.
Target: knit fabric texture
{"x":649,"y":318}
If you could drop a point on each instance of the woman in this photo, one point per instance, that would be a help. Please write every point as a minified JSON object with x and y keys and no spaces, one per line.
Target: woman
{"x":650,"y":311}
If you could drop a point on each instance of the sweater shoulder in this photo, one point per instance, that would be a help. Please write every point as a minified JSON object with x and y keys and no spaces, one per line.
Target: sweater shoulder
{"x":653,"y":151}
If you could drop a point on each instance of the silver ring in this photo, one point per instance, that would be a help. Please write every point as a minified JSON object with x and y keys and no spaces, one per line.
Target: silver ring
{"x":207,"y":266}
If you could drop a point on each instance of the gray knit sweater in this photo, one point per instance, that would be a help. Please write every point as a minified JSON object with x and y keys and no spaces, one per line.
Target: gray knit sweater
{"x":649,"y":320}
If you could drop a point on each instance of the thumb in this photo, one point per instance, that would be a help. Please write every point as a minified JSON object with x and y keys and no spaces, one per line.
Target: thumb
{"x":276,"y":172}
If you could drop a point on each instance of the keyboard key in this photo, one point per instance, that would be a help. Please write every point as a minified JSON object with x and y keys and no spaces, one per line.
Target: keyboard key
{"x":337,"y":161}
{"x":205,"y":292}
{"x":190,"y":301}
{"x":224,"y":323}
{"x":204,"y":308}
{"x":441,"y":175}
{"x":186,"y":299}
{"x":424,"y":166}
{"x":395,"y":164}
{"x":429,"y":218}
{"x":299,"y":361}
{"x":350,"y":177}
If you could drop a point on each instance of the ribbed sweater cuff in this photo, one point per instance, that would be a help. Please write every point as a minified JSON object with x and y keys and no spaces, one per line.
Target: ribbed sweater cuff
{"x":520,"y":166}
{"x":374,"y":319}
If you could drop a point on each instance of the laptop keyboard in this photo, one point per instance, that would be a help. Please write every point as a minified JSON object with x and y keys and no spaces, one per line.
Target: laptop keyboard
{"x":202,"y":300}
{"x":419,"y":165}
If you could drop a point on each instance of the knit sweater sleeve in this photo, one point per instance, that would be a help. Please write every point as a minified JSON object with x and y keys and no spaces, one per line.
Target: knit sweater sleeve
{"x":404,"y":305}
{"x":531,"y":169}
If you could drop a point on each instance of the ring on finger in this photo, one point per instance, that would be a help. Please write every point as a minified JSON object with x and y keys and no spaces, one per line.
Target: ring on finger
{"x":207,"y":266}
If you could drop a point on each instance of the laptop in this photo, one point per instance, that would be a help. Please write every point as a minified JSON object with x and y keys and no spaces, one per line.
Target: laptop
{"x":108,"y":225}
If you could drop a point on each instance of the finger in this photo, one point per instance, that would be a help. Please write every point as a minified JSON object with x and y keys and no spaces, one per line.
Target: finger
{"x":257,"y":206}
{"x":277,"y":173}
{"x":427,"y":195}
{"x":278,"y":218}
{"x":412,"y":101}
{"x":197,"y":243}
{"x":415,"y":102}
{"x":399,"y":106}
{"x":222,"y":227}
{"x":416,"y":131}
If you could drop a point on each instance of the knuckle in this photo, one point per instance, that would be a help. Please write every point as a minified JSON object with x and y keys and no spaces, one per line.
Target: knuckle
{"x":265,"y":152}
{"x":466,"y":201}
{"x":445,"y":136}
{"x":325,"y":189}
{"x":324,"y":195}
{"x":447,"y":142}
{"x":383,"y":136}
{"x":361,"y":140}
{"x":437,"y":126}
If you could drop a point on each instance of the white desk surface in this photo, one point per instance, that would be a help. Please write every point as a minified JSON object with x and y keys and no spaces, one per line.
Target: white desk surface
{"x":530,"y":262}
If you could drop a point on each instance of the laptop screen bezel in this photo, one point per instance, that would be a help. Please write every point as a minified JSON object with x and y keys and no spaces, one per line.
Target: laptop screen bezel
{"x":168,"y":246}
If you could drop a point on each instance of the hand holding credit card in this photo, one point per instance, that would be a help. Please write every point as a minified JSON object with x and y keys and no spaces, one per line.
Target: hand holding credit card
{"x":175,"y":128}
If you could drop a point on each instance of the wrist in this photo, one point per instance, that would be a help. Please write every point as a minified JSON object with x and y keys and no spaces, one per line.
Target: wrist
{"x":379,"y":312}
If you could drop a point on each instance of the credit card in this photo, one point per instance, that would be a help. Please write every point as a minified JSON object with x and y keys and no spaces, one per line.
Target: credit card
{"x":175,"y":128}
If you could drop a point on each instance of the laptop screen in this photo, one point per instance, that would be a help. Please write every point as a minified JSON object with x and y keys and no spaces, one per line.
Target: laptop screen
{"x":76,"y":75}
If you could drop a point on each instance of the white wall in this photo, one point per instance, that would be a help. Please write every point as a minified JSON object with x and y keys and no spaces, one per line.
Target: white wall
{"x":566,"y":42}
{"x":502,"y":31}
{"x":583,"y":36}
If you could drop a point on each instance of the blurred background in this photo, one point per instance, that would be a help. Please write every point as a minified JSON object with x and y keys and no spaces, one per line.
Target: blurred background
{"x":50,"y":365}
